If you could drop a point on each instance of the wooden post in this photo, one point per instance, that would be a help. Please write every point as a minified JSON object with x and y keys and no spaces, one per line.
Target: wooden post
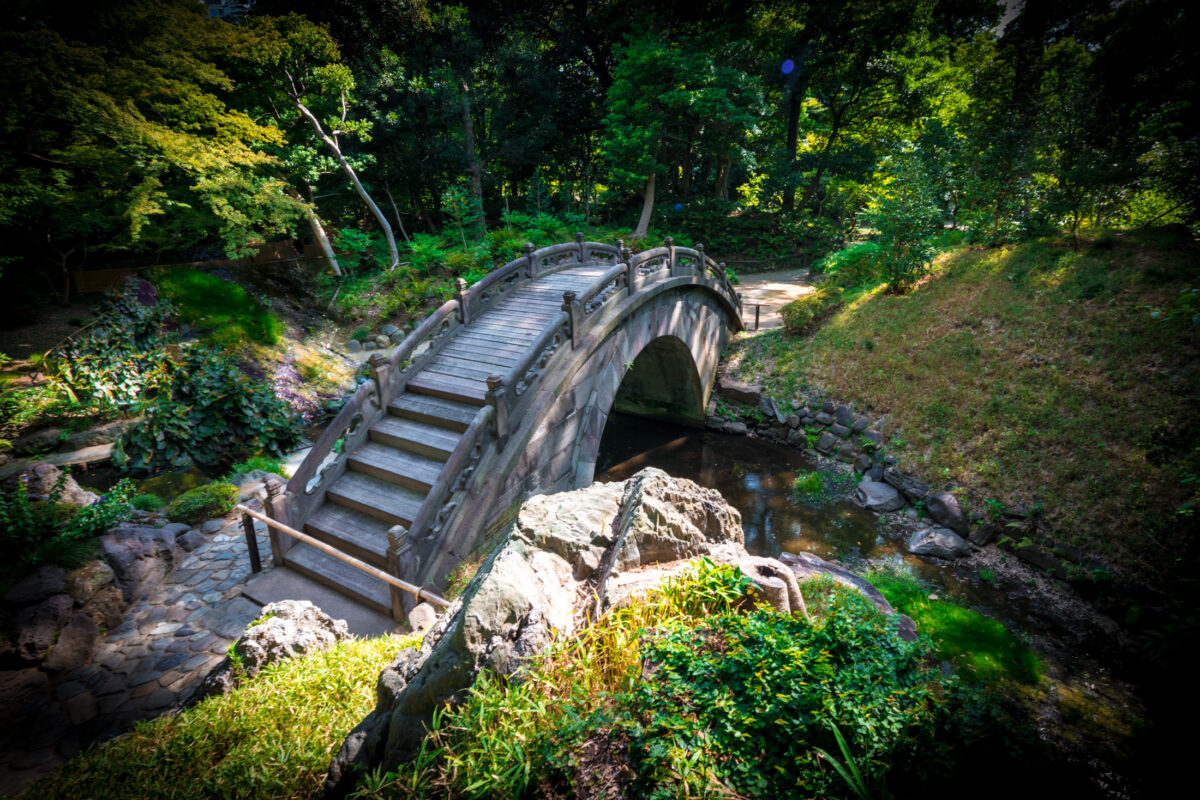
{"x":570,"y":306}
{"x":499,"y":403}
{"x":464,"y":310}
{"x":251,"y":543}
{"x":274,"y":506}
{"x":757,"y":306}
{"x":399,"y":559}
{"x":532,"y":265}
{"x":579,"y":240}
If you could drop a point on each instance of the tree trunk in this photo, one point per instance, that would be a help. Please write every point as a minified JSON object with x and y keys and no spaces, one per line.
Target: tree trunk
{"x":358,"y":187}
{"x":793,"y":138}
{"x":396,"y":211}
{"x":687,"y":163}
{"x":815,"y":183}
{"x":318,"y":232}
{"x":474,"y":168}
{"x":647,"y":209}
{"x":724,"y":165}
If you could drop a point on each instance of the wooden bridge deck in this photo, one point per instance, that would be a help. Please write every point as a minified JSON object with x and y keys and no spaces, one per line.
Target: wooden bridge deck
{"x":389,"y":477}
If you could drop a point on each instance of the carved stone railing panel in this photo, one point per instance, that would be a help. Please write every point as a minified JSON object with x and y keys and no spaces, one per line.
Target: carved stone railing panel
{"x":526,"y":373}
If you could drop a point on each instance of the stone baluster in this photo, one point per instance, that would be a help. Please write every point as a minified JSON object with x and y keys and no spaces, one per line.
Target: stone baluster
{"x":579,"y":241}
{"x":669,"y":243}
{"x":276,"y":510}
{"x":400,"y":564}
{"x":631,"y":276}
{"x":700,"y":257}
{"x":496,"y":397}
{"x":571,"y":306}
{"x":381,"y":373}
{"x":531,"y":267}
{"x":464,"y":307}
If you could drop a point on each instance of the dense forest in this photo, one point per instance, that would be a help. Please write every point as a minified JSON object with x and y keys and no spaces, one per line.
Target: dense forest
{"x":144,"y":131}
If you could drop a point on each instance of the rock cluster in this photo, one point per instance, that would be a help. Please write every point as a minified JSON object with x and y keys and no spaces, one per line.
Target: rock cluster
{"x":387,"y":336}
{"x":566,"y":558}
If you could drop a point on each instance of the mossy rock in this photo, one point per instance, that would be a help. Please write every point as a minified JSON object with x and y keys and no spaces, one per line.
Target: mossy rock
{"x":800,"y":314}
{"x":202,"y":503}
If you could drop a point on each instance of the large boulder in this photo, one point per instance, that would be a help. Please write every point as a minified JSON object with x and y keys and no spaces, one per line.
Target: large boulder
{"x":747,"y":393}
{"x":140,"y":557}
{"x":40,"y":480}
{"x":938,"y":543}
{"x":876,"y":496}
{"x":37,"y":586}
{"x":36,"y":626}
{"x":912,"y":488}
{"x":83,"y":583}
{"x":282,"y":630}
{"x":947,"y":512}
{"x":76,"y":642}
{"x":565,"y":557}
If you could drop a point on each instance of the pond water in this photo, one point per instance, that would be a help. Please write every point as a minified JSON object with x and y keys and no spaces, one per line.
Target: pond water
{"x":756,"y":477}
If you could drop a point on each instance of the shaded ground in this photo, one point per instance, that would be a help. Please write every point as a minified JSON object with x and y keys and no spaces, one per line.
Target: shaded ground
{"x":770,"y":291}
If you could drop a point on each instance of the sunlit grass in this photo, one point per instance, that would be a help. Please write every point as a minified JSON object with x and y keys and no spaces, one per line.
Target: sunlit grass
{"x":1029,"y":374}
{"x":273,"y":737}
{"x":225,"y":312}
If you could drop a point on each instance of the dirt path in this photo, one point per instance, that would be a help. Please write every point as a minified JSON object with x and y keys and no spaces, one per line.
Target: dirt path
{"x":771,"y":291}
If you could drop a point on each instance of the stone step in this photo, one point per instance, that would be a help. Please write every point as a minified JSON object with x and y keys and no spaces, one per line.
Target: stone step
{"x":340,"y":576}
{"x":434,"y":411}
{"x":401,"y":467}
{"x":384,"y":501}
{"x":350,"y":531}
{"x":421,"y":438}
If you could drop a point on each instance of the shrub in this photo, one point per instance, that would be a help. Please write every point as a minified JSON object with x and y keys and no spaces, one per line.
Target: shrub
{"x":205,"y":410}
{"x":801,"y":313}
{"x":33,"y":533}
{"x":203,"y":503}
{"x":147,"y":502}
{"x":857,"y":265}
{"x":257,"y":462}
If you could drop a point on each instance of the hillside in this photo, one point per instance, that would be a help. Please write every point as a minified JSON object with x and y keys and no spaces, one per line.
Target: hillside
{"x":1060,"y":380}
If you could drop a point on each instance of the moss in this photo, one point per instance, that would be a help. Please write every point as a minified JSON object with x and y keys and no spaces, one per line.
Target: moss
{"x":203,"y":502}
{"x":802,"y":312}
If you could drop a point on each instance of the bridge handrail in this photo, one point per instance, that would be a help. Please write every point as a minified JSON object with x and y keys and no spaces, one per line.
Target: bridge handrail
{"x":446,"y":312}
{"x":601,"y":283}
{"x":298,"y":483}
{"x":454,"y":476}
{"x":533,"y":352}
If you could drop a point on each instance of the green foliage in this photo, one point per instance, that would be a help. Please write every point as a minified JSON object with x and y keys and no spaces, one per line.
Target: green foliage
{"x":800,"y":314}
{"x":270,"y":737}
{"x":223,"y":311}
{"x":114,"y":360}
{"x":203,"y":409}
{"x":257,"y":462}
{"x":33,"y":533}
{"x":460,"y":206}
{"x":905,"y":219}
{"x":203,"y":503}
{"x":860,"y":264}
{"x":147,"y":502}
{"x":982,"y":647}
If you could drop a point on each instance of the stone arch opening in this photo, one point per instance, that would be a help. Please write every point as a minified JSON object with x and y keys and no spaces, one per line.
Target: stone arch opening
{"x":662,"y":382}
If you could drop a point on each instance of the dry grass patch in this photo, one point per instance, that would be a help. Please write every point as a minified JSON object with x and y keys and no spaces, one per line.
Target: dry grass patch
{"x":1030,"y":374}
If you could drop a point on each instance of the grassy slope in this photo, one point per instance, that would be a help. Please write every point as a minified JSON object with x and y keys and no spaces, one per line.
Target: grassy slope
{"x":1034,"y":373}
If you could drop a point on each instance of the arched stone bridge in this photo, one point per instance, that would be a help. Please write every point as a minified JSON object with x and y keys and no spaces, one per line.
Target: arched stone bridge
{"x":501,"y":393}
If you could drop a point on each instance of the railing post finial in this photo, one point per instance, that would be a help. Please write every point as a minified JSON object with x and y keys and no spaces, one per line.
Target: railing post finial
{"x":571,"y":306}
{"x":532,"y":265}
{"x":464,"y":309}
{"x":579,"y":241}
{"x":499,"y":403}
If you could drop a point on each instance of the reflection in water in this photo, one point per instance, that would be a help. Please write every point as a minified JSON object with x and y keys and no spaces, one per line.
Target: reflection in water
{"x":754,"y":475}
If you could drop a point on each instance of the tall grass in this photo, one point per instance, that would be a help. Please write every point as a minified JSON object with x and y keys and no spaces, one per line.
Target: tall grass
{"x":223,"y":311}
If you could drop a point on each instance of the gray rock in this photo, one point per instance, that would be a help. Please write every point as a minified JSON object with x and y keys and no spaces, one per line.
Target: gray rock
{"x":382,"y":342}
{"x":912,"y":488}
{"x":873,"y":440}
{"x":737,"y":428}
{"x":840,"y":431}
{"x":747,"y":393}
{"x":36,"y":626}
{"x":287,"y":629}
{"x":876,"y":496}
{"x":793,"y":421}
{"x":985,"y":534}
{"x":875,"y":473}
{"x":140,"y":557}
{"x":769,"y":407}
{"x":860,"y":425}
{"x":19,"y":686}
{"x":775,"y":584}
{"x":797,"y":438}
{"x":212,"y":526}
{"x":80,"y":708}
{"x":369,"y":345}
{"x":76,"y":643}
{"x":946,"y":511}
{"x":938,"y":543}
{"x":713,"y":422}
{"x":190,"y":540}
{"x":40,"y":479}
{"x":398,"y":337}
{"x":827,"y":406}
{"x":36,"y":587}
{"x":106,"y":606}
{"x":806,"y":565}
{"x":824,"y":419}
{"x":175,"y":528}
{"x":843,"y":415}
{"x":354,"y":346}
{"x":83,"y":583}
{"x":862,"y":463}
{"x":826,"y":442}
{"x":846,"y":453}
{"x":388,"y":330}
{"x":422,"y":617}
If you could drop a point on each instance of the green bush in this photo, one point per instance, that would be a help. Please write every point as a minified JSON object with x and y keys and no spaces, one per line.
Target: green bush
{"x":801,"y":313}
{"x":37,"y":532}
{"x":857,"y":265}
{"x":147,"y":502}
{"x":205,"y":410}
{"x":203,"y":503}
